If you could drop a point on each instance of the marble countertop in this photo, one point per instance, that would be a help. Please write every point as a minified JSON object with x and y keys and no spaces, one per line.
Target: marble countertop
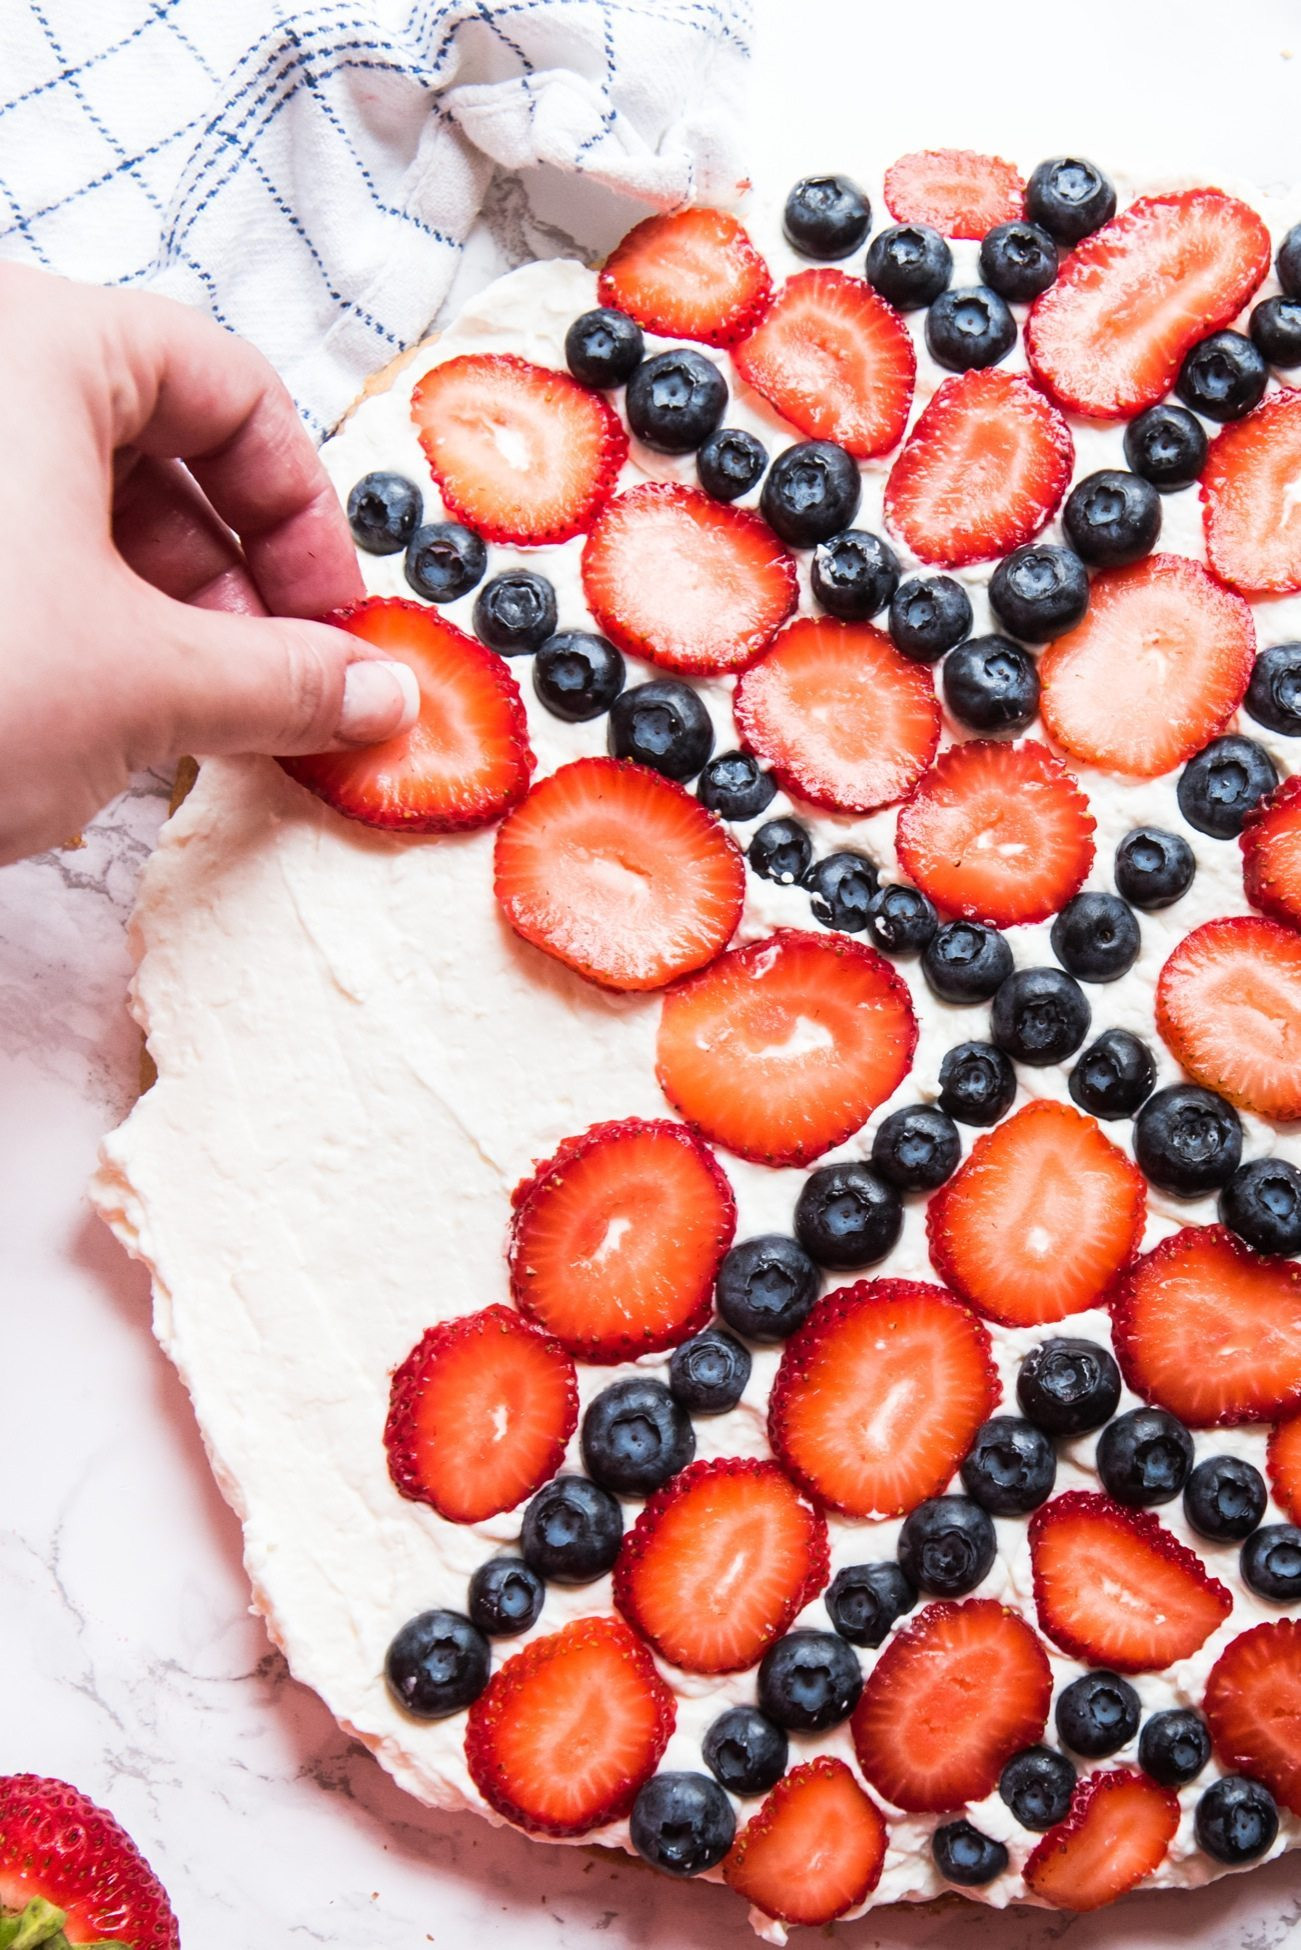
{"x":128,"y":1660}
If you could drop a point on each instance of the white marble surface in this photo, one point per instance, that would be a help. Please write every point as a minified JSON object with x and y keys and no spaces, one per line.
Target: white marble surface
{"x":128,"y":1661}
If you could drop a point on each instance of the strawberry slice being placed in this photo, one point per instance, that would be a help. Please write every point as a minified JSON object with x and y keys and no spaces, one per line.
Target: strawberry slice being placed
{"x":1271,"y":854}
{"x":1117,"y":1832}
{"x":1158,"y":666}
{"x":1113,"y":1588}
{"x":1109,"y":336}
{"x":1283,"y":1463}
{"x":521,"y":453}
{"x":982,"y":471}
{"x":1253,"y":1708}
{"x":687,"y":582}
{"x":479,"y":1415}
{"x":718,"y":1564}
{"x":73,"y":1875}
{"x":1210,"y":1330}
{"x":834,"y":360}
{"x":879,"y":1395}
{"x":815,"y":1849}
{"x":839,"y":715}
{"x":620,"y":874}
{"x":1249,"y":503}
{"x":1228,"y":1006}
{"x":465,"y":760}
{"x":785,"y":1047}
{"x":567,"y":1730}
{"x":997,"y":833}
{"x":958,"y":192}
{"x":1039,"y":1218}
{"x":616,"y":1240}
{"x":952,"y":1697}
{"x":693,"y":274}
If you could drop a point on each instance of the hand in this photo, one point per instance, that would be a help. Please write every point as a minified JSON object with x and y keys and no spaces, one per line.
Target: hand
{"x":165,"y":523}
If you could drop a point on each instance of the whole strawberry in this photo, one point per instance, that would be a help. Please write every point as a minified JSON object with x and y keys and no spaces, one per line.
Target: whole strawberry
{"x":71,"y":1876}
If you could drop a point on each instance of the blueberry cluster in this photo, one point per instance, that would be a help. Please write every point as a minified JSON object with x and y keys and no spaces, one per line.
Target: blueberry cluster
{"x":843,"y":887}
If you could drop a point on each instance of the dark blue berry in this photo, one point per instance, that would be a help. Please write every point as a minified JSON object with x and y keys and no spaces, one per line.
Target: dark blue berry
{"x":515,"y":612}
{"x":966,"y":962}
{"x":929,"y":615}
{"x":444,"y":561}
{"x":1236,"y":1819}
{"x":1037,"y":1785}
{"x":635,"y":1436}
{"x":1010,"y":1467}
{"x":1262,"y":1204}
{"x":1274,"y":693}
{"x":1287,"y":264}
{"x":946,"y":1546}
{"x":745,"y":1751}
{"x":900,"y":920}
{"x":383,"y":510}
{"x":1225,"y":1498}
{"x":977,"y":1083}
{"x":730,"y":463}
{"x":811,"y":492}
{"x":1069,"y":197}
{"x":1114,"y":1075}
{"x":1096,"y":938}
{"x":437,"y":1664}
{"x":578,"y":675}
{"x":809,"y":1680}
{"x":1040,"y":591}
{"x":735,"y":786}
{"x":1018,"y":260}
{"x":1154,"y":868}
{"x":662,"y":724}
{"x":1275,"y":327}
{"x":572,"y":1531}
{"x":842,"y":886}
{"x":1067,"y":1386}
{"x":854,"y":574}
{"x":1167,"y":446}
{"x":505,"y":1597}
{"x":917,"y":1148}
{"x":604,"y":347}
{"x":1174,"y":1746}
{"x":965,"y":1856}
{"x":781,"y":850}
{"x":1223,"y":377}
{"x":1112,"y":518}
{"x":991,"y":684}
{"x":826,"y":216}
{"x":1187,"y":1140}
{"x":1039,"y":1016}
{"x":864,"y":1600}
{"x":675,"y":400}
{"x":1144,"y":1457}
{"x":847,"y":1216}
{"x":681,"y":1823}
{"x":1270,"y":1563}
{"x":708,"y":1373}
{"x":968,"y":328}
{"x":1097,"y":1714}
{"x":909,"y":264}
{"x":766,"y":1286}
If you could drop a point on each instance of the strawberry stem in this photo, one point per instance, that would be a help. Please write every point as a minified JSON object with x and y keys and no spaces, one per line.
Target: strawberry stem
{"x":39,"y":1926}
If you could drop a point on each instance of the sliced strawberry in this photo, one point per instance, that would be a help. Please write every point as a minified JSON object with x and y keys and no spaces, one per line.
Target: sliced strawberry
{"x":982,"y":471}
{"x":815,"y":1849}
{"x":1039,"y":1218}
{"x":785,"y":1047}
{"x":1113,"y":1588}
{"x":719,"y":1562}
{"x":521,"y":453}
{"x":616,"y":1240}
{"x":58,"y":1848}
{"x":1159,"y":665}
{"x":1271,"y":854}
{"x":879,"y":1395}
{"x":620,"y":874}
{"x":951,"y":1698}
{"x":479,"y":1415}
{"x":1283,"y":1462}
{"x":997,"y":833}
{"x":1228,"y":1006}
{"x":1253,"y":1708}
{"x":1249,"y":501}
{"x":693,"y":274}
{"x":465,"y":760}
{"x":958,"y":192}
{"x":1117,"y":1832}
{"x":839,"y":715}
{"x":690,"y":583}
{"x":834,"y":360}
{"x":1210,"y":1330}
{"x":567,"y":1730}
{"x":1109,"y":336}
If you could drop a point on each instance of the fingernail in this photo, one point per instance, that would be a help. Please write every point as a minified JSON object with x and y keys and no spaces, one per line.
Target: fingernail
{"x":379,"y":701}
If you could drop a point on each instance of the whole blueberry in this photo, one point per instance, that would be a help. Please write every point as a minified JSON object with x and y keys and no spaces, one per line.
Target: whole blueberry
{"x":1096,"y":938}
{"x":1287,"y":264}
{"x":1112,"y":518}
{"x":900,"y":920}
{"x":965,"y":961}
{"x":854,"y":574}
{"x":577,"y":675}
{"x":908,"y":264}
{"x":735,"y":786}
{"x":1069,"y":197}
{"x":1262,"y":1204}
{"x":515,"y":612}
{"x":1018,"y":260}
{"x":1225,"y":1498}
{"x":635,"y":1436}
{"x":1174,"y":1746}
{"x":730,"y":462}
{"x":572,"y":1531}
{"x":969,"y":327}
{"x":991,"y":684}
{"x":1275,"y":327}
{"x":1144,"y":1457}
{"x":917,"y":1148}
{"x":965,"y":1856}
{"x":928,"y":615}
{"x":1067,"y":1386}
{"x":1274,"y":693}
{"x":675,"y":400}
{"x":766,"y":1286}
{"x":1187,"y":1140}
{"x":1037,"y":1785}
{"x":946,"y":1546}
{"x":681,"y":1823}
{"x":781,"y":850}
{"x":1039,"y":1016}
{"x":444,"y":561}
{"x":1154,"y":868}
{"x":826,"y":216}
{"x":1236,"y":1819}
{"x":708,"y":1373}
{"x":383,"y":510}
{"x":1010,"y":1467}
{"x":1167,"y":446}
{"x":811,"y":491}
{"x":745,"y":1750}
{"x":809,"y":1680}
{"x":1223,"y":377}
{"x":662,"y":724}
{"x":437,"y":1664}
{"x":864,"y":1600}
{"x":505,"y":1596}
{"x":1040,"y":591}
{"x":841,"y":886}
{"x":1270,"y":1563}
{"x":1114,"y":1075}
{"x":1097,"y":1714}
{"x":977,"y":1083}
{"x":604,"y":347}
{"x":847,"y":1216}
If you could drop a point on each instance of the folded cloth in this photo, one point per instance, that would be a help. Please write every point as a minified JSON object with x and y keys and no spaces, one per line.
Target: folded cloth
{"x":312,"y":183}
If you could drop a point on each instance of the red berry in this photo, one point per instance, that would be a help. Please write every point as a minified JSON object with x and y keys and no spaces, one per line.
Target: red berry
{"x":1271,"y":854}
{"x":958,"y":192}
{"x":1228,"y":1006}
{"x":1283,"y":1463}
{"x":1253,"y":1708}
{"x":1120,"y":1825}
{"x":834,"y":360}
{"x":1250,"y":513}
{"x":57,"y":1845}
{"x":815,"y":1849}
{"x":693,"y":274}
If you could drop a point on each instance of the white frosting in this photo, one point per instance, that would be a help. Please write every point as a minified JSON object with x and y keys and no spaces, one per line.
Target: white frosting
{"x":358,"y":1061}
